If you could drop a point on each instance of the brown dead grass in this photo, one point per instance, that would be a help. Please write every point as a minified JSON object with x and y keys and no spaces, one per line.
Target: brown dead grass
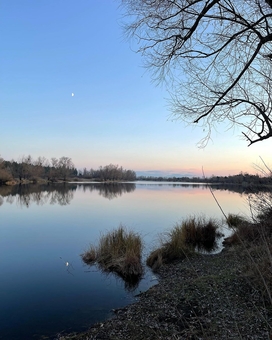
{"x":182,"y":240}
{"x":118,"y":251}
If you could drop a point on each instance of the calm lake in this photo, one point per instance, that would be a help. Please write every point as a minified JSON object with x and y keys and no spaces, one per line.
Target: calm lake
{"x":44,"y":227}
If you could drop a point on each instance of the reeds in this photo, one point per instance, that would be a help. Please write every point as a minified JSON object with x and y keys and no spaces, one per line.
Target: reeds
{"x":118,"y":251}
{"x":243,"y":230}
{"x":182,"y":240}
{"x":248,"y":232}
{"x":255,"y":240}
{"x":234,"y":220}
{"x":259,"y":247}
{"x":258,"y":268}
{"x":199,"y":232}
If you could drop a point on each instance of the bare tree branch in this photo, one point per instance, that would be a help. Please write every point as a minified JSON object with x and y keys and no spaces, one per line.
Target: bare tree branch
{"x":215,"y":57}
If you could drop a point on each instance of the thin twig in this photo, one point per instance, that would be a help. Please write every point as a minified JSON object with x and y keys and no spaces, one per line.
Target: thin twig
{"x":214,"y":196}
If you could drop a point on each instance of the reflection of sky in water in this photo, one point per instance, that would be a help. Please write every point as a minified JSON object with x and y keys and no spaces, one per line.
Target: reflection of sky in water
{"x":38,"y":294}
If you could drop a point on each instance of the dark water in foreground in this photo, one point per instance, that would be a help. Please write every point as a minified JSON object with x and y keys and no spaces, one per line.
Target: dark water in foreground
{"x":44,"y":227}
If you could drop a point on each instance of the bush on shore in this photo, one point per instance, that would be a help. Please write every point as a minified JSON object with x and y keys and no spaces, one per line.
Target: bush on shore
{"x":118,"y":251}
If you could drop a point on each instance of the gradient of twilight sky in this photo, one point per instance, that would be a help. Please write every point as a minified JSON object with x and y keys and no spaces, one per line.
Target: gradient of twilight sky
{"x":51,"y":49}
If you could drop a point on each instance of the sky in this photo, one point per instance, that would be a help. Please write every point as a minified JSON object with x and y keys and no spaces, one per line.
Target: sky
{"x":71,"y":85}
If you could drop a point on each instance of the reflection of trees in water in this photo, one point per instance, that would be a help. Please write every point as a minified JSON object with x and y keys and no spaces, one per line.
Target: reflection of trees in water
{"x":63,"y":193}
{"x":240,"y":189}
{"x":62,"y":197}
{"x":10,"y":199}
{"x":5,"y":190}
{"x":26,"y":194}
{"x":109,"y":190}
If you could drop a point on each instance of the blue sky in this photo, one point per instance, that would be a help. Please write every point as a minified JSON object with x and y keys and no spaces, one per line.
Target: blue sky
{"x":51,"y":49}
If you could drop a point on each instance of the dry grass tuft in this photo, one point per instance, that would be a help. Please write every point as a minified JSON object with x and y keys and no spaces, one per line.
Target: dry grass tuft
{"x":90,"y":255}
{"x":234,"y":220}
{"x":182,"y":240}
{"x":247,"y":232}
{"x":118,"y":251}
{"x":244,"y":233}
{"x":199,"y":232}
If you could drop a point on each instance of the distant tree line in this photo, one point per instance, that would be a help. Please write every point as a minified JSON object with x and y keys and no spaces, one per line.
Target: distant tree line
{"x":109,"y":172}
{"x":243,"y":179}
{"x":31,"y":169}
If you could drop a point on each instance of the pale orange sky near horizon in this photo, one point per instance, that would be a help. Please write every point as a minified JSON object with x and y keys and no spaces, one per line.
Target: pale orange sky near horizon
{"x":226,"y":155}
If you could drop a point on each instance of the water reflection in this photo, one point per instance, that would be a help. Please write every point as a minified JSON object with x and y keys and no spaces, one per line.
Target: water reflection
{"x":61,"y":194}
{"x":24,"y":195}
{"x":68,"y":266}
{"x":130,"y":285}
{"x":109,"y":190}
{"x":237,"y":188}
{"x":51,"y":296}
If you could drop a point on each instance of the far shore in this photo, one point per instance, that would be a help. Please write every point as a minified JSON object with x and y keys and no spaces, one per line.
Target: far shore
{"x":95,"y":180}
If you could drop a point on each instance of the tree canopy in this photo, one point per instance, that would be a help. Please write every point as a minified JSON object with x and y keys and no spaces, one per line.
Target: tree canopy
{"x":215,"y":57}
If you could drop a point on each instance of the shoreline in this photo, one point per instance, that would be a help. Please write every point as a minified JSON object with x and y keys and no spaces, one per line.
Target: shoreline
{"x":37,"y":181}
{"x":201,"y":297}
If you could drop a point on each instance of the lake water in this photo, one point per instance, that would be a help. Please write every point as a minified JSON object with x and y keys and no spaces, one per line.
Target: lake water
{"x":44,"y":227}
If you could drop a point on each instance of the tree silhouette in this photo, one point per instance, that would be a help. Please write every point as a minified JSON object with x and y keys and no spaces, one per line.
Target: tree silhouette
{"x":215,"y":57}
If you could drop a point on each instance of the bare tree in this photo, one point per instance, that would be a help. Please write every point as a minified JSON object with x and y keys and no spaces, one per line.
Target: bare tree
{"x":65,"y":167}
{"x":39,"y":166}
{"x":25,"y":168}
{"x":5,"y":175}
{"x":215,"y":56}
